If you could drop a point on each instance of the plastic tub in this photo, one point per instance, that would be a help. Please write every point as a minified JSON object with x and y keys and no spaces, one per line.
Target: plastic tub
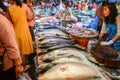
{"x":83,"y":41}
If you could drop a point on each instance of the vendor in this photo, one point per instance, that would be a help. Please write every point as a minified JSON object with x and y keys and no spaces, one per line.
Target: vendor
{"x":111,"y":26}
{"x":67,"y":15}
{"x":98,"y":20}
{"x":53,"y":10}
{"x":67,"y":12}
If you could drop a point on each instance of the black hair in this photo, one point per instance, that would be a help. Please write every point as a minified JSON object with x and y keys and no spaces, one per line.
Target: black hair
{"x":4,"y":8}
{"x":104,"y":2}
{"x":53,"y":5}
{"x":113,"y":13}
{"x":25,"y":1}
{"x":18,"y":3}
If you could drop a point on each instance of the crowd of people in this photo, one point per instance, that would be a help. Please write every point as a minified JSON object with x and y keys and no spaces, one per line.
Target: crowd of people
{"x":16,"y":37}
{"x":17,"y":25}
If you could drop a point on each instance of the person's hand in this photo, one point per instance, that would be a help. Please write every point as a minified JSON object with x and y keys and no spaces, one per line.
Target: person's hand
{"x":118,"y":19}
{"x":19,"y":69}
{"x":95,"y":43}
{"x":106,"y":43}
{"x":39,"y":15}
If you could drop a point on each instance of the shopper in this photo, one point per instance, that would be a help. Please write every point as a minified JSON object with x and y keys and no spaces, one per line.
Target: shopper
{"x":83,"y":5}
{"x":78,"y":6}
{"x":22,"y":32}
{"x":28,"y":9}
{"x":3,"y":9}
{"x":111,"y":25}
{"x":67,"y":12}
{"x":9,"y":52}
{"x":53,"y":10}
{"x":98,"y":20}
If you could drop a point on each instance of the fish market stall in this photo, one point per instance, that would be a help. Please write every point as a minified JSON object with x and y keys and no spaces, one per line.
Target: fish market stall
{"x":61,"y":51}
{"x":60,"y":55}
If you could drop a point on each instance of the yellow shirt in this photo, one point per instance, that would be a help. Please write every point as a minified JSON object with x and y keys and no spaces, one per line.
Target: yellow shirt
{"x":22,"y":32}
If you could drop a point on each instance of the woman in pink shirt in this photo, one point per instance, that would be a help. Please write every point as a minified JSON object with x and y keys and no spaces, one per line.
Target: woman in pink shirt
{"x":8,"y":49}
{"x":28,"y":8}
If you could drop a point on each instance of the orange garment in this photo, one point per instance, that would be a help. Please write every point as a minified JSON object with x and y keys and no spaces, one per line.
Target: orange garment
{"x":83,"y":5}
{"x":22,"y":32}
{"x":8,"y":41}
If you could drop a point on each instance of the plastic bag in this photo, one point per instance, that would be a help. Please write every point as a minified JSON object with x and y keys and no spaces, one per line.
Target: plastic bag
{"x":24,"y":76}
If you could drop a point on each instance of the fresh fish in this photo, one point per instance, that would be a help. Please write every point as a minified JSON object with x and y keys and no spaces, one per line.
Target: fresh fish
{"x":53,"y":36}
{"x":57,"y":41}
{"x":43,"y":41}
{"x":48,"y":63}
{"x":44,"y":25}
{"x":43,"y":67}
{"x":48,"y":34}
{"x":70,"y":58}
{"x":52,"y":31}
{"x":70,"y":71}
{"x":42,"y":36}
{"x":43,"y":51}
{"x":45,"y":28}
{"x":60,"y":46}
{"x":63,"y":52}
{"x":47,"y":45}
{"x":62,"y":58}
{"x":82,"y":32}
{"x":63,"y":29}
{"x":52,"y":57}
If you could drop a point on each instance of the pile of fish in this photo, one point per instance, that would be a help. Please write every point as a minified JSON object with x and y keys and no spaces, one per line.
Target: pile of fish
{"x":61,"y":59}
{"x":70,"y":71}
{"x":83,"y":32}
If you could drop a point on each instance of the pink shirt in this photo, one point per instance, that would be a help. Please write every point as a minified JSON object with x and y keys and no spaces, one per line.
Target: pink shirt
{"x":29,"y":14}
{"x":8,"y":41}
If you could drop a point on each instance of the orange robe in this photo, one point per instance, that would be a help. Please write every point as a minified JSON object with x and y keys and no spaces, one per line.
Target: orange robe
{"x":22,"y":32}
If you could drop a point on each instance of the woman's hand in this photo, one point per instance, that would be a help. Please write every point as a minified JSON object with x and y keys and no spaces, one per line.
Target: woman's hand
{"x":19,"y":69}
{"x":39,"y":15}
{"x":106,"y":43}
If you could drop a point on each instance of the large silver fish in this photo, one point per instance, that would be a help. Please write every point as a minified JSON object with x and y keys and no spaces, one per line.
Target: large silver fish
{"x":56,"y":41}
{"x":48,"y":34}
{"x":43,"y":67}
{"x":48,"y":63}
{"x":51,"y":31}
{"x":46,"y":50}
{"x":63,"y":52}
{"x":70,"y":71}
{"x":44,"y":28}
{"x":70,"y":58}
{"x":53,"y":37}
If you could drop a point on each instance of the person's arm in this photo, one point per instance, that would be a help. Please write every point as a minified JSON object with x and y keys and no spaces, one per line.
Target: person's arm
{"x":29,"y":12}
{"x":103,"y":31}
{"x":118,"y":29}
{"x":117,"y":35}
{"x":100,"y":37}
{"x":8,"y":40}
